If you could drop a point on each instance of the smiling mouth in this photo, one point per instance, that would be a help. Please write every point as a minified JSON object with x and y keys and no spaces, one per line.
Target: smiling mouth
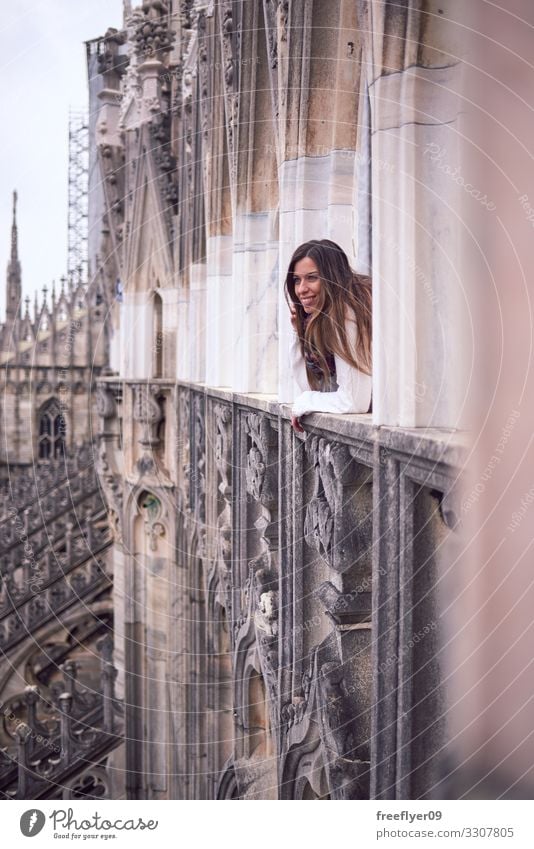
{"x":307,"y":301}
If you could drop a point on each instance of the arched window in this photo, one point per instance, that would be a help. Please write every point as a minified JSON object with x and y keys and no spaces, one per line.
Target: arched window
{"x":52,"y":431}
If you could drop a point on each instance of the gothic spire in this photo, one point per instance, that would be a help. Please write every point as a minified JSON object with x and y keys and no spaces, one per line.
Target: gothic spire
{"x":13,"y":282}
{"x":14,"y":232}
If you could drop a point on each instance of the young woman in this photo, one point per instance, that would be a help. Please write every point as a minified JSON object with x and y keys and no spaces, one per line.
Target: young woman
{"x":331,"y":315}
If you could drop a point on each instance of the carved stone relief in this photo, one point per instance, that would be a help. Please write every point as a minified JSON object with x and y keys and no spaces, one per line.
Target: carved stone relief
{"x":230,"y":48}
{"x":261,"y":597}
{"x":348,"y":773}
{"x":153,"y":38}
{"x":148,"y":412}
{"x":198,"y":459}
{"x":105,"y":402}
{"x":223,"y":459}
{"x":335,"y":526}
{"x":151,"y":509}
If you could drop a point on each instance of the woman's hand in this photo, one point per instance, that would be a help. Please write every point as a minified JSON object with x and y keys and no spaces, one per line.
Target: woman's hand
{"x":296,"y":425}
{"x":293,"y":312}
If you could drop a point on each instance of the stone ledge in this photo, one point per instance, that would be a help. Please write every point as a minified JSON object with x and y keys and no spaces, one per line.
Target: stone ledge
{"x":439,"y":445}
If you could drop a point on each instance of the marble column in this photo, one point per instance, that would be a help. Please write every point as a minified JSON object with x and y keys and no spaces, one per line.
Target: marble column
{"x":419,"y":308}
{"x":219,"y":300}
{"x":136,"y":335}
{"x":255,"y":295}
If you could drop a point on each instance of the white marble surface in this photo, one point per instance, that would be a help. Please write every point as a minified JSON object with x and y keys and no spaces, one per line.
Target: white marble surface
{"x":183,"y":344}
{"x":107,"y":125}
{"x":415,"y":96}
{"x":136,"y":335}
{"x":219,"y":292}
{"x":419,"y":361}
{"x":169,"y":298}
{"x":197,"y":322}
{"x":255,"y":297}
{"x":361,"y":191}
{"x":115,"y":347}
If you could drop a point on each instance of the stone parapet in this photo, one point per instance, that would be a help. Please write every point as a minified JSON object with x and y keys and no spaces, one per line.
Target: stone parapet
{"x":295,"y":579}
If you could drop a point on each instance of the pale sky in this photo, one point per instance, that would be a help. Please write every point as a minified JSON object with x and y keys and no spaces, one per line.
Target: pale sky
{"x":42,"y":60}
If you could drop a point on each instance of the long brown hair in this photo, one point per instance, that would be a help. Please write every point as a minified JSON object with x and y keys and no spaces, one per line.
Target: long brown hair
{"x":324,"y":331}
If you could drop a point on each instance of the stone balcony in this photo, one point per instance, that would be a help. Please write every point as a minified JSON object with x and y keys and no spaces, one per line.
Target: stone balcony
{"x":300,"y":597}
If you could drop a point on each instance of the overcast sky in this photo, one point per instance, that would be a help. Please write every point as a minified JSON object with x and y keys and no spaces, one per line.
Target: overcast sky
{"x":42,"y":60}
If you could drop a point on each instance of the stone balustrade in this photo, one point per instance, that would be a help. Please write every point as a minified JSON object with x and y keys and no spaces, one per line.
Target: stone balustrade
{"x":56,"y":745}
{"x":24,"y":609}
{"x":290,"y":595}
{"x":25,"y":485}
{"x":43,"y":523}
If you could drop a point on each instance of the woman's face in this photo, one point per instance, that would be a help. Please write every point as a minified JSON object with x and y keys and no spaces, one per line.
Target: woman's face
{"x":308,"y":284}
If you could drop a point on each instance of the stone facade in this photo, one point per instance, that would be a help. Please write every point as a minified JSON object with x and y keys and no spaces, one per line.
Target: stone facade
{"x":49,"y":362}
{"x":277,"y":626}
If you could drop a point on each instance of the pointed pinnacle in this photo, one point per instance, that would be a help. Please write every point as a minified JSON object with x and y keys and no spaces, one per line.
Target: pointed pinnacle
{"x":14,"y":236}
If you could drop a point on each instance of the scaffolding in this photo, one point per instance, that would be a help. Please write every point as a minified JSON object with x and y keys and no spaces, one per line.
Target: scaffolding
{"x":78,"y":196}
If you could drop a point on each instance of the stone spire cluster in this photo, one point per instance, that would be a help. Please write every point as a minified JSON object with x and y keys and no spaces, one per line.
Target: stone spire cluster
{"x":24,"y":336}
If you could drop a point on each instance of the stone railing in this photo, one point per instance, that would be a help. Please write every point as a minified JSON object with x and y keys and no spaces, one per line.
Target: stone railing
{"x":57,"y":516}
{"x":52,"y":552}
{"x":59,"y":586}
{"x":46,"y":510}
{"x":57,"y":743}
{"x":53,"y":571}
{"x":303,"y":589}
{"x":25,"y":486}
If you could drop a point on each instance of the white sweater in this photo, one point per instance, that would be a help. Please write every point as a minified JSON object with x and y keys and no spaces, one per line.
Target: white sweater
{"x":353,"y":393}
